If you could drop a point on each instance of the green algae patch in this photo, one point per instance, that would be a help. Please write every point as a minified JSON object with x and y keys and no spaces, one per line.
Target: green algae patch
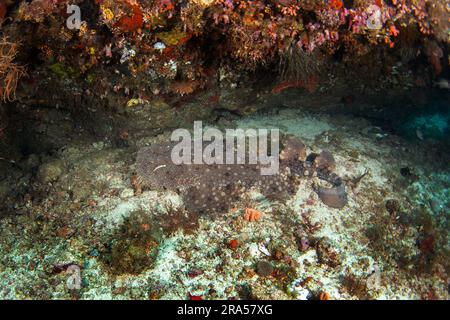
{"x":173,"y":37}
{"x":61,"y":70}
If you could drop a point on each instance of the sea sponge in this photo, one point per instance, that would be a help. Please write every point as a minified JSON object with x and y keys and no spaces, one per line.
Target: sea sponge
{"x":264,"y":268}
{"x":252,"y":215}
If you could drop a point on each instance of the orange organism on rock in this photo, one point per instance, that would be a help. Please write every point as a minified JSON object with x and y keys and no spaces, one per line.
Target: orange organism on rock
{"x":252,"y":215}
{"x":134,"y":22}
{"x":393,"y":31}
{"x":183,"y":87}
{"x":324,"y":296}
{"x":336,"y":4}
{"x":233,"y":244}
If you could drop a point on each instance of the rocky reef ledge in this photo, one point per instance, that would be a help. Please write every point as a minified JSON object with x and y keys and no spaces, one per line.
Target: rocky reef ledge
{"x":150,"y":59}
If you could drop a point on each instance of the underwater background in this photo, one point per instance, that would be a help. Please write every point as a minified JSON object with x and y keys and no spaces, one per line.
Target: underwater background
{"x":91,"y":206}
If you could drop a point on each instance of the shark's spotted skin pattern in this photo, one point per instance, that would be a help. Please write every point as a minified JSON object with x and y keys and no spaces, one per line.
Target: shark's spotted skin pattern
{"x":215,"y":188}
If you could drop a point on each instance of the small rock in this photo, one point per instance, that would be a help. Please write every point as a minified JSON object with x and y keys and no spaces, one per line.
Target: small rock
{"x":31,"y":162}
{"x":262,"y":248}
{"x":159,"y":46}
{"x":127,"y":193}
{"x":406,"y":172}
{"x":297,"y":290}
{"x":98,"y":145}
{"x":419,"y":134}
{"x":50,"y":171}
{"x":254,"y":250}
{"x":264,"y":268}
{"x":325,"y":161}
{"x":327,"y":254}
{"x":434,"y":205}
{"x":302,"y":239}
{"x":392,"y":206}
{"x":4,"y":190}
{"x":194,"y":273}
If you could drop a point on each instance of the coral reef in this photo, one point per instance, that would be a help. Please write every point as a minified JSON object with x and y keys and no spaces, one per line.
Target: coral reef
{"x":132,"y":49}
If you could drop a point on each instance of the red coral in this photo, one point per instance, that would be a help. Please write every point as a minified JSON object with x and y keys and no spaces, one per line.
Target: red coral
{"x":133,"y":23}
{"x":393,"y":31}
{"x":165,"y":5}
